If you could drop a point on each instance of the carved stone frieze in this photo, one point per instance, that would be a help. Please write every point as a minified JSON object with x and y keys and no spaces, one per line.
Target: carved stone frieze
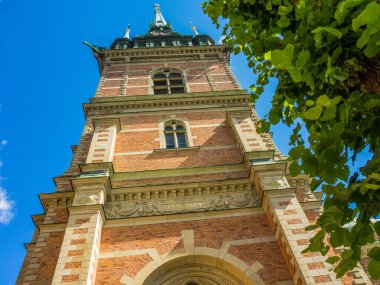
{"x":124,"y":209}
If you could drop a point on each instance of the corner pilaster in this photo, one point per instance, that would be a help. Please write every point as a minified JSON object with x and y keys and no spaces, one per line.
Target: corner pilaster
{"x":103,"y":141}
{"x":289,"y":220}
{"x":79,"y":253}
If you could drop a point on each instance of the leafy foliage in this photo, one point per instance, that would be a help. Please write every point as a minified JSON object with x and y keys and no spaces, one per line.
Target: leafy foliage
{"x":325,"y":55}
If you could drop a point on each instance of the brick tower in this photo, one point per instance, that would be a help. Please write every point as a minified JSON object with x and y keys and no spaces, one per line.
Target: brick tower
{"x":170,"y":182}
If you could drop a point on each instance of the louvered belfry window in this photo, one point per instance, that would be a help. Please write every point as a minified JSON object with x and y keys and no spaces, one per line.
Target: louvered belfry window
{"x":175,"y":134}
{"x":167,"y":81}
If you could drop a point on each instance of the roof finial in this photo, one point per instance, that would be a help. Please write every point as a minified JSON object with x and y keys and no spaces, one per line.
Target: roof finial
{"x":159,"y":20}
{"x":194,"y":28}
{"x":127,"y":32}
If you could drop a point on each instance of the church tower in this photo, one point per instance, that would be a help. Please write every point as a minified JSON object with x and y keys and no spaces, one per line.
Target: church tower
{"x":171,"y":183}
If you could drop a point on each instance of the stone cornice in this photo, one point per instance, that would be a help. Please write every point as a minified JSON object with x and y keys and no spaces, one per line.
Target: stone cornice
{"x":264,"y":154}
{"x":148,"y":174}
{"x":103,"y":181}
{"x":48,"y":228}
{"x":273,"y":166}
{"x":175,"y":52}
{"x":29,"y":245}
{"x":306,"y":205}
{"x":177,"y":186}
{"x":95,"y":167}
{"x":144,"y":98}
{"x":284,"y":192}
{"x":56,"y":199}
{"x":233,"y":100}
{"x":38,"y":219}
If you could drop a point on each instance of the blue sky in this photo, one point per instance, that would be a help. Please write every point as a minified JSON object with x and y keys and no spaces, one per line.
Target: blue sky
{"x":46,"y":74}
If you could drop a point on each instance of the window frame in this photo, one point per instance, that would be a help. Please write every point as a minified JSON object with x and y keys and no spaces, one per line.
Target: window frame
{"x":172,"y":82}
{"x":174,"y":131}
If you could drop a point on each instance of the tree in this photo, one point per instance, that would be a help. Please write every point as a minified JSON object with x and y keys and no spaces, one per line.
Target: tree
{"x":325,"y":55}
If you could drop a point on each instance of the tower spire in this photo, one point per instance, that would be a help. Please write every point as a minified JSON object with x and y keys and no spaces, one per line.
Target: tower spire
{"x":127,"y":32}
{"x":159,"y":20}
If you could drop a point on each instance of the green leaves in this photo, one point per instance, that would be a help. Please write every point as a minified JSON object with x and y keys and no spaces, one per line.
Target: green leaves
{"x":282,"y":59}
{"x":374,"y":269}
{"x":344,"y":8}
{"x":374,"y":253}
{"x":373,"y":46}
{"x":374,"y":264}
{"x":295,"y":74}
{"x":318,"y":32}
{"x":333,"y":259}
{"x":283,"y":22}
{"x":369,"y":17}
{"x":295,"y":168}
{"x":329,"y":114}
{"x":303,"y":58}
{"x":324,"y":56}
{"x":313,"y":113}
{"x":323,"y":100}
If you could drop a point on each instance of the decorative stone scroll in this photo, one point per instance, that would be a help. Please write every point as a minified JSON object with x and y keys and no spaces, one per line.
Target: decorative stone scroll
{"x":124,"y":209}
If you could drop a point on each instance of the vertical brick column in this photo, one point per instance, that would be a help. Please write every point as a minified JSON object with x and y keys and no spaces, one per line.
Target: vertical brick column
{"x":80,"y":248}
{"x":289,"y":219}
{"x":103,"y":141}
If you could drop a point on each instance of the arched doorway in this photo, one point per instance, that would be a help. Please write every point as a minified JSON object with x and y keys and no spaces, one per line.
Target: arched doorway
{"x":199,"y":270}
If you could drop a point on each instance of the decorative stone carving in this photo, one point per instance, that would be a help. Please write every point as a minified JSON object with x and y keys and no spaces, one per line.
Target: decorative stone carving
{"x":88,"y":198}
{"x":274,"y":182}
{"x":124,"y":209}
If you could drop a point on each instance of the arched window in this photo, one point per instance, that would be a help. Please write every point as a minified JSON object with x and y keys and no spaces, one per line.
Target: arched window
{"x":175,"y":135}
{"x":167,"y":81}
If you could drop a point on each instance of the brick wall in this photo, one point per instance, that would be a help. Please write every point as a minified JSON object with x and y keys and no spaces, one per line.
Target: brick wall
{"x":56,"y":215}
{"x":139,"y":137}
{"x":251,"y":240}
{"x":42,"y":259}
{"x":134,"y":79}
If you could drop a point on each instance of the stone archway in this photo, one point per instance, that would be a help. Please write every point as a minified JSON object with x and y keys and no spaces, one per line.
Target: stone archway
{"x":194,"y":270}
{"x":195,"y":265}
{"x":200,"y":270}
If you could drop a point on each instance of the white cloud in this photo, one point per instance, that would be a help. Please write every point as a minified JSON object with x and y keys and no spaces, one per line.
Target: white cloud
{"x":6,"y":207}
{"x":220,"y":41}
{"x":4,"y":142}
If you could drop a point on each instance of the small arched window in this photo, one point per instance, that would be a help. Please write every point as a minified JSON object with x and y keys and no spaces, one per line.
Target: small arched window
{"x":175,"y":135}
{"x":167,"y":81}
